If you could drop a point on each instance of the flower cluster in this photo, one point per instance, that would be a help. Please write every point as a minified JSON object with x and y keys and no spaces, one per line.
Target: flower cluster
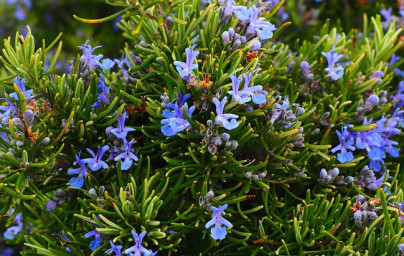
{"x":376,"y":141}
{"x":364,"y":211}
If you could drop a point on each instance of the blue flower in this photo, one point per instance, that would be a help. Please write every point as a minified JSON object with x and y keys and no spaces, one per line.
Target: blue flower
{"x":175,"y":121}
{"x":97,"y":239}
{"x":218,"y":232}
{"x":78,"y":181}
{"x":223,"y":119}
{"x":229,"y":7}
{"x":379,"y":182}
{"x":387,"y":16}
{"x":11,"y":232}
{"x":91,"y":61}
{"x":138,"y":249}
{"x":124,"y":65}
{"x":185,"y":69}
{"x":21,"y":86}
{"x":180,"y":100}
{"x":260,"y":26}
{"x":127,"y":155}
{"x":240,"y":96}
{"x":66,"y":239}
{"x":95,"y":163}
{"x":332,"y":59}
{"x":121,"y":131}
{"x":103,"y":92}
{"x":7,"y":252}
{"x":399,"y":97}
{"x":346,"y":142}
{"x":114,"y":249}
{"x":107,"y":64}
{"x":10,"y":109}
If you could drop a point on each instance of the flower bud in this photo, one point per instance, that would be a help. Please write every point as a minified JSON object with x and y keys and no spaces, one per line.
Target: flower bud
{"x":225,"y":136}
{"x":226,"y":37}
{"x":334,"y":172}
{"x":209,"y":195}
{"x":255,"y":45}
{"x":45,"y":141}
{"x":305,"y":67}
{"x":51,"y":205}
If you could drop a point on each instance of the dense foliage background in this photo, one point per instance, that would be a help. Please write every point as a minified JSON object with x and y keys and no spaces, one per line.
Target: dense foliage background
{"x":201,"y":127}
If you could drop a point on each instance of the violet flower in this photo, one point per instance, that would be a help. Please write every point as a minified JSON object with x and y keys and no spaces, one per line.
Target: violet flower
{"x":121,"y":131}
{"x":138,"y":249}
{"x":95,"y":163}
{"x":175,"y":121}
{"x":218,"y":232}
{"x":223,"y":119}
{"x":128,"y":156}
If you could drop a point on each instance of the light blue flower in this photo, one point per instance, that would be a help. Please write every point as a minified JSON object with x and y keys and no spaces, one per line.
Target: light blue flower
{"x":12,"y":231}
{"x":332,"y":58}
{"x":240,"y":96}
{"x":107,"y":64}
{"x":377,"y":75}
{"x":346,"y":142}
{"x":258,"y":95}
{"x":223,"y":119}
{"x":218,"y":232}
{"x":260,"y":26}
{"x":114,"y":249}
{"x":88,"y":59}
{"x":138,"y":249}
